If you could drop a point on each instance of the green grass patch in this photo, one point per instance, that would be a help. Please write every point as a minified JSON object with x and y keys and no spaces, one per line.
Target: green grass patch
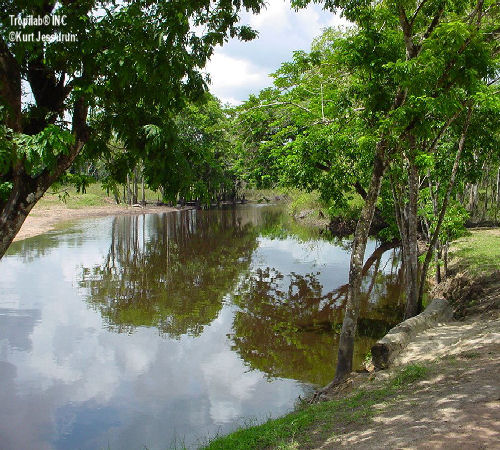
{"x":478,"y":253}
{"x":304,"y":201}
{"x":68,"y":196}
{"x":470,"y":355}
{"x":320,"y":420}
{"x":409,"y":375}
{"x":94,"y":195}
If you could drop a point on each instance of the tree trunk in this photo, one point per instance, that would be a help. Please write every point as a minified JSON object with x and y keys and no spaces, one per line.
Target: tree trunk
{"x":486,"y":186}
{"x":445,"y":260}
{"x":23,"y":197}
{"x":438,"y":267}
{"x":129,"y":191}
{"x":472,"y":199}
{"x":346,"y":344}
{"x":25,"y":193}
{"x":498,"y":186}
{"x":407,"y":221}
{"x":143,"y":191}
{"x":26,"y":190}
{"x":10,"y":88}
{"x":411,"y":269}
{"x":444,"y":206}
{"x":497,"y":196}
{"x":135,"y":187}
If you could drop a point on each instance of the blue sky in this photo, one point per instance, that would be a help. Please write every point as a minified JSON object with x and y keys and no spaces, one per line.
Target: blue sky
{"x":239,"y":69}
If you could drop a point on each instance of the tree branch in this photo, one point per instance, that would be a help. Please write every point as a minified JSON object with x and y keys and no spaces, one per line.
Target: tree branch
{"x":50,"y":94}
{"x":10,"y":86}
{"x":407,"y":32}
{"x":444,"y":207}
{"x":360,"y":190}
{"x":415,"y":14}
{"x":281,"y":104}
{"x":433,"y":24}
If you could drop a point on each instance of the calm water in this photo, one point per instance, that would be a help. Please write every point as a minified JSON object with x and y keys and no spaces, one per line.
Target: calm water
{"x":162,"y":330}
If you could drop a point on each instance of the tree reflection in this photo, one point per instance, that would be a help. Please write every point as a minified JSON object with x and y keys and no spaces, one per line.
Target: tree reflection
{"x":174,"y":271}
{"x":287,"y":326}
{"x":169,"y":271}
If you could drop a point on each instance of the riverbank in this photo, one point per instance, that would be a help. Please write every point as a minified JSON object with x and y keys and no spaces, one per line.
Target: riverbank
{"x":43,"y":218}
{"x":52,"y":210}
{"x":305,"y":208}
{"x":443,"y":390}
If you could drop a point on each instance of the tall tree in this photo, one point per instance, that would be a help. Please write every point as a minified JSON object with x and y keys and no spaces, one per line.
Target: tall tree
{"x":449,"y":50}
{"x":384,"y":94}
{"x":128,"y":64}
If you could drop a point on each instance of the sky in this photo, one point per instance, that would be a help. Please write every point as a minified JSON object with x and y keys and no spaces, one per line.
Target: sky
{"x":239,"y":69}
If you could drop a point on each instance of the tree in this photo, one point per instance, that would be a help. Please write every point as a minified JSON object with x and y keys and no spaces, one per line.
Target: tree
{"x":385,"y":93}
{"x":129,"y":64}
{"x":197,"y":163}
{"x":442,"y":42}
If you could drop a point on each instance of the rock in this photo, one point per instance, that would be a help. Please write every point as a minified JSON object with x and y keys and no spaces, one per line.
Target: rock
{"x":387,"y":348}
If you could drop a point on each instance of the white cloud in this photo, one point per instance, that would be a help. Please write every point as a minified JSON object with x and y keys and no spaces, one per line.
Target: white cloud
{"x":274,"y":15}
{"x":228,"y":385}
{"x":228,"y":73}
{"x":241,"y":68}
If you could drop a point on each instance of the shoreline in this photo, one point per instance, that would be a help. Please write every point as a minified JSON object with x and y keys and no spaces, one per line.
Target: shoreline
{"x":438,"y":391}
{"x":43,"y":219}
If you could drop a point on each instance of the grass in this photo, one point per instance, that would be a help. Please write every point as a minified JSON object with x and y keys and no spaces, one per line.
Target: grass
{"x":478,"y":253}
{"x":470,"y":355}
{"x":409,"y":375}
{"x":304,"y":201}
{"x":323,"y":420}
{"x":95,"y":195}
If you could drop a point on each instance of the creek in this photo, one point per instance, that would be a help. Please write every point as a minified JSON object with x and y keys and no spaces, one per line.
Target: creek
{"x":163,"y":330}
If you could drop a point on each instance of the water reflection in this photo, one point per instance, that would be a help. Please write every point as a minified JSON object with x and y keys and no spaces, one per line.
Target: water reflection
{"x":289,"y":325}
{"x":172,"y":275}
{"x":174,"y":272}
{"x":138,"y":331}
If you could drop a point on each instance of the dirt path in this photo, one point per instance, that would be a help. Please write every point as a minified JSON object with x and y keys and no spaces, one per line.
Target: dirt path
{"x":456,"y":406}
{"x":41,"y":220}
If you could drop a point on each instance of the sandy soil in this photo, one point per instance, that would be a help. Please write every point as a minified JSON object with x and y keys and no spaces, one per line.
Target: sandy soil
{"x":458,"y":404}
{"x":457,"y":407}
{"x":41,"y":220}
